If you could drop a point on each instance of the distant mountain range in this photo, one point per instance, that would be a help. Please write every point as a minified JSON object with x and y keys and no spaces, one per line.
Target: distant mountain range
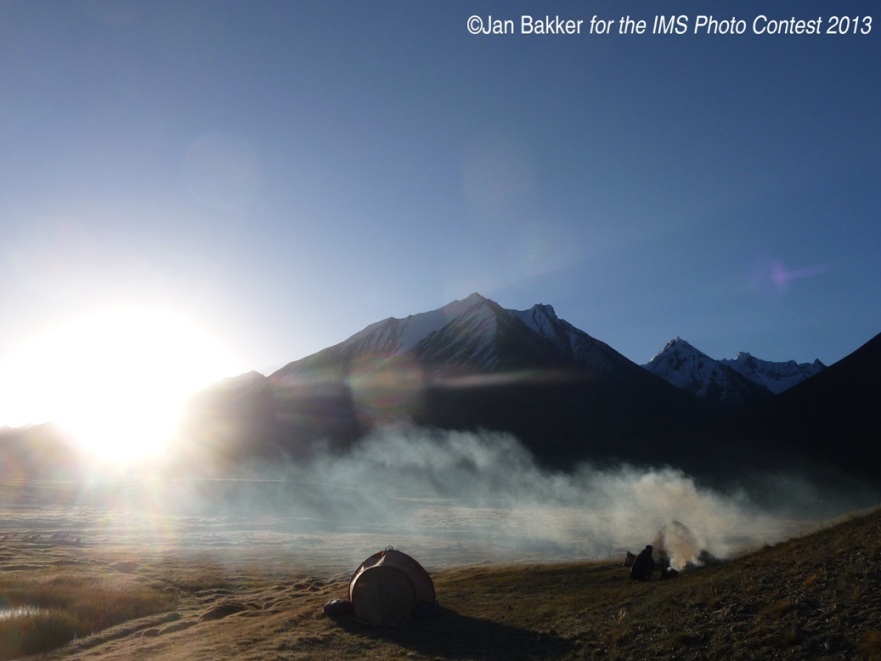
{"x":468,"y":365}
{"x":743,"y":380}
{"x":775,"y":376}
{"x":473,"y":365}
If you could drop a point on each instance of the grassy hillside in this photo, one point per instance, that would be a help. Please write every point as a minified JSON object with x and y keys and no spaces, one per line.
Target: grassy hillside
{"x":817,"y":596}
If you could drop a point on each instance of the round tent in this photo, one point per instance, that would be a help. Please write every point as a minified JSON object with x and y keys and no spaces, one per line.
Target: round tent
{"x":388,"y":587}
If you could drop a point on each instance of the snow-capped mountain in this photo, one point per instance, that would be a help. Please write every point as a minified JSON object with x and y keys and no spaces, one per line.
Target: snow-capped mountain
{"x":684,"y":366}
{"x":775,"y":376}
{"x":475,"y":365}
{"x":741,"y":380}
{"x":568,"y":397}
{"x":476,"y":336}
{"x":473,"y":335}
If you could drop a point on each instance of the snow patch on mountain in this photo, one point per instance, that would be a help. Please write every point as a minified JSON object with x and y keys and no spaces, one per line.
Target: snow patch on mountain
{"x":743,"y":379}
{"x":475,"y":335}
{"x":470,"y":335}
{"x":573,"y":343}
{"x":775,"y":376}
{"x":394,"y":336}
{"x":466,"y":340}
{"x":541,"y":318}
{"x":688,"y":368}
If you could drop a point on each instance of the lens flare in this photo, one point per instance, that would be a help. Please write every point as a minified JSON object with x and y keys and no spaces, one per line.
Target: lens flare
{"x":115,"y":381}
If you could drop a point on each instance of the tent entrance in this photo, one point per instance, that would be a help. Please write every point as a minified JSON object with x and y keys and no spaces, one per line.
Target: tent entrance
{"x":383,"y":596}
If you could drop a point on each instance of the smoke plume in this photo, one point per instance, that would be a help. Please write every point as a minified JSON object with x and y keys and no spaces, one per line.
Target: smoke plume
{"x":485,"y":490}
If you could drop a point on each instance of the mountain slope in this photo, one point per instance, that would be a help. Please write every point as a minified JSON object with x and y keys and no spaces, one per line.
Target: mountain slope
{"x":470,"y":365}
{"x":474,"y":335}
{"x":685,"y":367}
{"x":473,"y":365}
{"x":775,"y":376}
{"x":37,"y":452}
{"x":832,"y":419}
{"x":743,"y":380}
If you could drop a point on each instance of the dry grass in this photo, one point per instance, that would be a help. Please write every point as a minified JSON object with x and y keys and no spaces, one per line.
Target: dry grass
{"x":817,"y":596}
{"x":63,"y":604}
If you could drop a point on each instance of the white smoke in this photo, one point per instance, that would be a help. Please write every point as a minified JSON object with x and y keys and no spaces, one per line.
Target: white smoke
{"x":445,"y":497}
{"x":485,"y":487}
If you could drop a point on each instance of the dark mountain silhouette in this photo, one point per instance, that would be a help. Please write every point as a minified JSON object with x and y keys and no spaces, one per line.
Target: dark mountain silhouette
{"x":36,"y":451}
{"x":830,"y":420}
{"x":471,"y":365}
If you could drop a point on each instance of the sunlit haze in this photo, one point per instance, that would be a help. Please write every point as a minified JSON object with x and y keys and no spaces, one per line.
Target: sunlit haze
{"x":115,"y":380}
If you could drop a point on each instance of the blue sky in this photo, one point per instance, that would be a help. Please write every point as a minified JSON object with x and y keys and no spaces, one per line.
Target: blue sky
{"x":285,"y":173}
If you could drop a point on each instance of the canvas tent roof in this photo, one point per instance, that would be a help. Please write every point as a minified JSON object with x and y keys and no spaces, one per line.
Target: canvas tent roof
{"x":388,"y":587}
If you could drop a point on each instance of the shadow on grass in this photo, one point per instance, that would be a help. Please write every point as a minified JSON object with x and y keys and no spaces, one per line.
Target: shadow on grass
{"x":453,"y":635}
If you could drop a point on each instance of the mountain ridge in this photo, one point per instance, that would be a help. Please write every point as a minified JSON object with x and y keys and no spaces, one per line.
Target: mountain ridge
{"x":568,"y":397}
{"x":742,"y":380}
{"x":775,"y":376}
{"x":470,"y":365}
{"x":473,"y":365}
{"x":682,"y":365}
{"x":435,"y":338}
{"x":425,"y":336}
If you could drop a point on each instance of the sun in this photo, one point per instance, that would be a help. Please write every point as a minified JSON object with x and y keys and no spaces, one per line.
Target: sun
{"x":116,"y":381}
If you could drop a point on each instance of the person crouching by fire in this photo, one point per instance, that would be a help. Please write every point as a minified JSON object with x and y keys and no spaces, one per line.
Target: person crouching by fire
{"x":643,"y":566}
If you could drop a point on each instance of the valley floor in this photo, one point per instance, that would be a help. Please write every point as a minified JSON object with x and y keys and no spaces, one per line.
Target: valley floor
{"x":815,"y":596}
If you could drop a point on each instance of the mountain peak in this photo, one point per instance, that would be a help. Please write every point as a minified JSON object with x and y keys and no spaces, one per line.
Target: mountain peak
{"x":743,"y":378}
{"x":676,"y":345}
{"x":457,"y":307}
{"x":540,"y":317}
{"x":546,"y":309}
{"x":690,"y":369}
{"x":474,"y":334}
